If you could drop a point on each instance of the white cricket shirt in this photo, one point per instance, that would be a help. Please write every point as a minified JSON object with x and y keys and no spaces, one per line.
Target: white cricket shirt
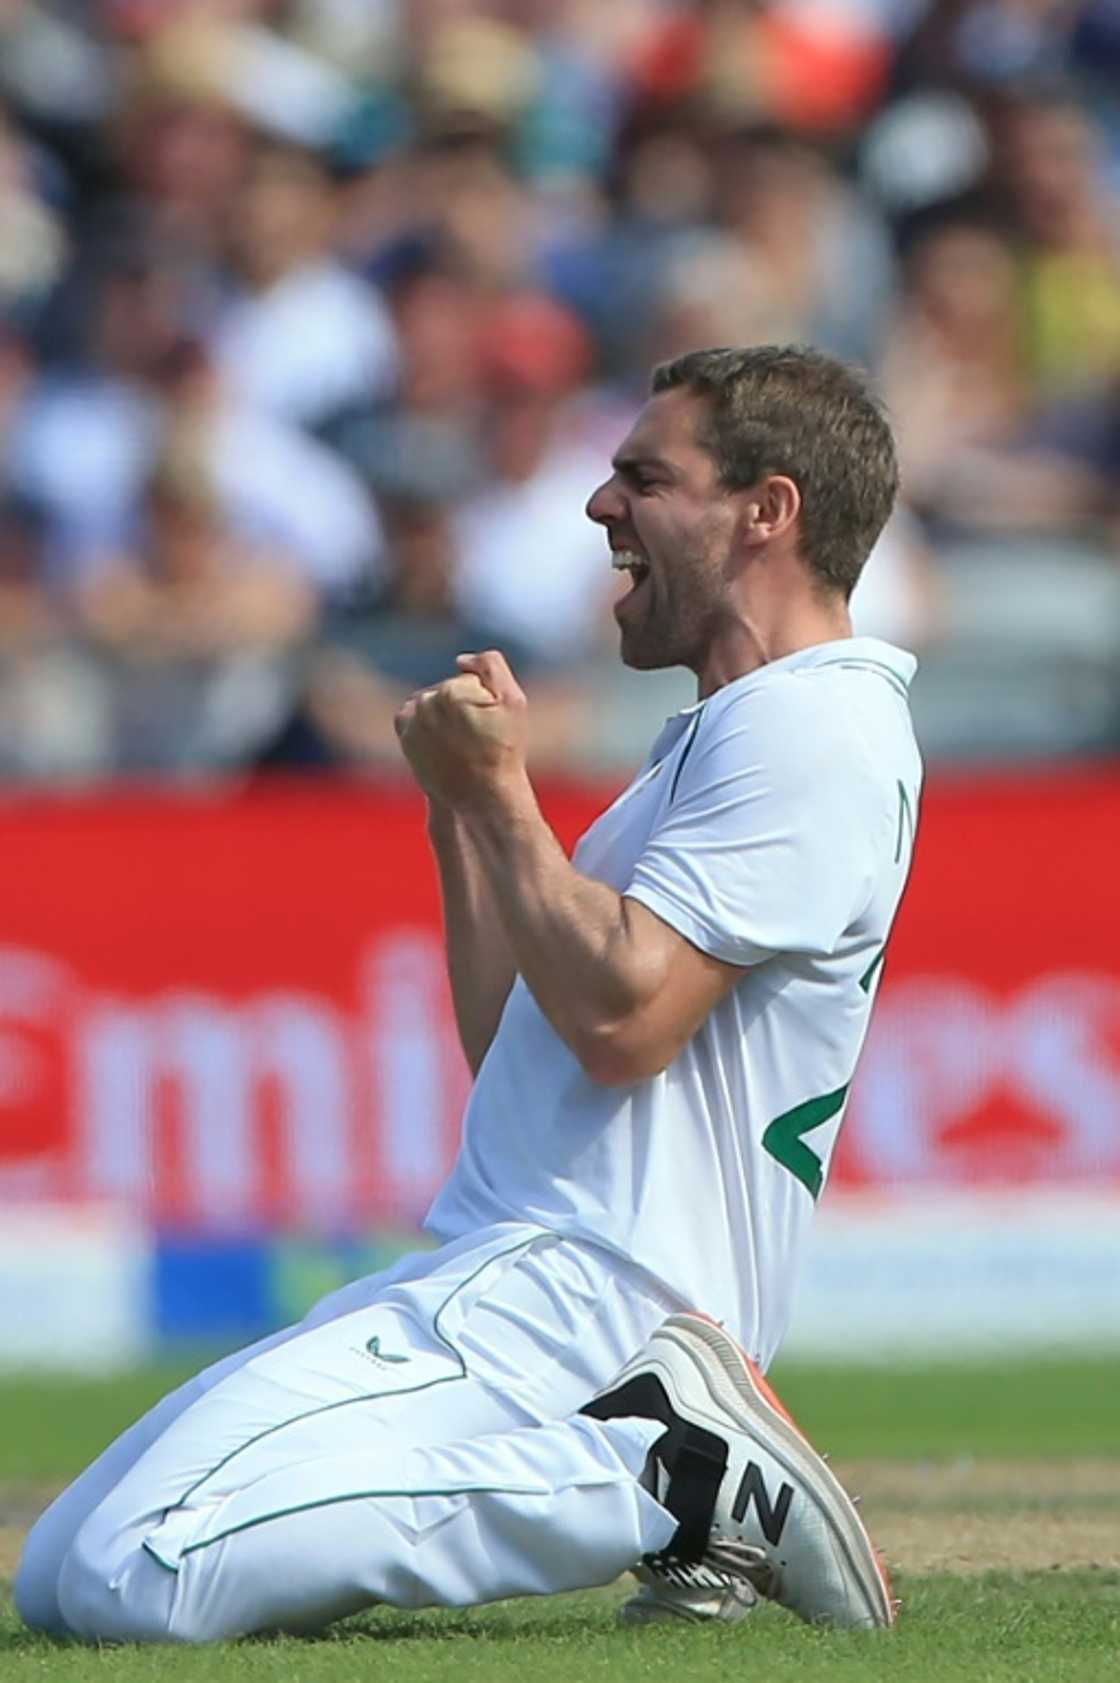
{"x":772,"y":825}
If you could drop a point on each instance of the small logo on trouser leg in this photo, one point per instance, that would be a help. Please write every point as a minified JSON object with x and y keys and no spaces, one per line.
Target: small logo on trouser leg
{"x":373,"y":1345}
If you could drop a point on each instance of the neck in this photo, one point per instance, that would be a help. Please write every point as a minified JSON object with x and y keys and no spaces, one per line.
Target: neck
{"x":749,"y":641}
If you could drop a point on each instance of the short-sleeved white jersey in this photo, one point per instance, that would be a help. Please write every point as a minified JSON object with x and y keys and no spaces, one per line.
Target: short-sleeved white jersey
{"x":772,"y":826}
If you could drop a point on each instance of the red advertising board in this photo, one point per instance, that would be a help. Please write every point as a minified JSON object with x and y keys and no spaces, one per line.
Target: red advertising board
{"x":229,"y":1011}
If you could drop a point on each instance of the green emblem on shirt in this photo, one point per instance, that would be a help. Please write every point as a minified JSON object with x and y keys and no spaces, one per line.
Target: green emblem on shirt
{"x":783,"y":1140}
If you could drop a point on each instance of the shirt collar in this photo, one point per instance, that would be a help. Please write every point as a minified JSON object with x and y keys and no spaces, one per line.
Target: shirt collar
{"x":842,"y":651}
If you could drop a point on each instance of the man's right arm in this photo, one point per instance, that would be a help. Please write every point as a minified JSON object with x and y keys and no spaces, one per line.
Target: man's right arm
{"x":479,"y":961}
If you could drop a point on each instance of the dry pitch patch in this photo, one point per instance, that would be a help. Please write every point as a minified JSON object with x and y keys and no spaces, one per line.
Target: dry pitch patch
{"x":960,"y":1516}
{"x":967,"y":1516}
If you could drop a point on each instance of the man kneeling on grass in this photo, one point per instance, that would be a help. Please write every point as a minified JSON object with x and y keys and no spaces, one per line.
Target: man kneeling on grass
{"x":663,"y":1032}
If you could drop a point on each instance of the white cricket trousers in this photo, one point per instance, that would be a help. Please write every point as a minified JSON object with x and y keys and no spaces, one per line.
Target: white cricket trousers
{"x":414,"y":1441}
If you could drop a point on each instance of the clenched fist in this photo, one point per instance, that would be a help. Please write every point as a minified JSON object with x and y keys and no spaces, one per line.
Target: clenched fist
{"x":466,"y":737}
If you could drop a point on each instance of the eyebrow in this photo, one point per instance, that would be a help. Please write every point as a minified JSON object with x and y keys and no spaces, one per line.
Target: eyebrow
{"x":630,"y":465}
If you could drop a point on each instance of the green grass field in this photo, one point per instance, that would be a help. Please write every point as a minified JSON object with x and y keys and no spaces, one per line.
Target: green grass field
{"x":995,"y":1491}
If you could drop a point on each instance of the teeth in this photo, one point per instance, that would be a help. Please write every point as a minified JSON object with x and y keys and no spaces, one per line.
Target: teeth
{"x":625,"y":560}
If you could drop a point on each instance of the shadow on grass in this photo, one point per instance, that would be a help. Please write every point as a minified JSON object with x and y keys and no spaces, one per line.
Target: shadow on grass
{"x":15,"y":1638}
{"x":500,"y":1625}
{"x":509,"y":1623}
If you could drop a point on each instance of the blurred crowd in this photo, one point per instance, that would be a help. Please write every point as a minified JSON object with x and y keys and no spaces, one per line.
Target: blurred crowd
{"x":319,"y":320}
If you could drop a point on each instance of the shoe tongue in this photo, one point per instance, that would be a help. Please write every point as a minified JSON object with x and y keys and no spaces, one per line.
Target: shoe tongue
{"x":695,"y":1460}
{"x":696,"y":1472}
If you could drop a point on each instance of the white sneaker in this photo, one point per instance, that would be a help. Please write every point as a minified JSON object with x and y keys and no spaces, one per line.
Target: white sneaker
{"x":754,"y":1500}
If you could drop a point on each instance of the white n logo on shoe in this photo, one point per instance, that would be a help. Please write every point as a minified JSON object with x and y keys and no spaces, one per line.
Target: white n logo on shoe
{"x":772,"y":1519}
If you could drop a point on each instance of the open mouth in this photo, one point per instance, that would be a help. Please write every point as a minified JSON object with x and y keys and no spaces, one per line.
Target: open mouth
{"x":628,"y":561}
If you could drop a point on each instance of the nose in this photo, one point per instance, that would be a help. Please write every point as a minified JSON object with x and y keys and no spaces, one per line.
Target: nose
{"x":605,"y":504}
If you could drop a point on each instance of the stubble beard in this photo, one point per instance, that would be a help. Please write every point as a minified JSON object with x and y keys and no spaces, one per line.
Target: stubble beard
{"x":661,"y":639}
{"x":674,"y":625}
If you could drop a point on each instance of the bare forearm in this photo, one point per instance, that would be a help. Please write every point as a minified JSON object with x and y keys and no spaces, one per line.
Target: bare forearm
{"x":569,"y":935}
{"x":480,"y":964}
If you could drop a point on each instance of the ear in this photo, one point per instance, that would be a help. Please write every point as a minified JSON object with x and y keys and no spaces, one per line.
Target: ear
{"x":770,"y":509}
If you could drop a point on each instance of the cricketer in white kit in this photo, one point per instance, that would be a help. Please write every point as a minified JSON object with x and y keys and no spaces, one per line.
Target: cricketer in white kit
{"x":681,"y":1007}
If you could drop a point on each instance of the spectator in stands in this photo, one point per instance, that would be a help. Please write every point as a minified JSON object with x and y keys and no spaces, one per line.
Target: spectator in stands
{"x":33,"y":249}
{"x":958,"y":380}
{"x":714,"y":293}
{"x":197,"y":629}
{"x":17,"y":372}
{"x":366,"y":667}
{"x":530,"y":564}
{"x":818,"y":248}
{"x":193,"y":591}
{"x":27,"y":615}
{"x":662,"y":201}
{"x":956,"y":368}
{"x":53,"y":704}
{"x":278,"y":487}
{"x":1053,"y":161}
{"x":56,"y":71}
{"x":181,"y":148}
{"x":813,"y":68}
{"x":85,"y":434}
{"x":429,"y":440}
{"x":423,"y":253}
{"x":306,"y":339}
{"x":993,"y":42}
{"x":84,"y":445}
{"x":471,"y":210}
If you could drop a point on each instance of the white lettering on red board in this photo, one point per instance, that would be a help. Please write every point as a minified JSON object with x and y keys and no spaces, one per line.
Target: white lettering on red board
{"x":158,"y":1102}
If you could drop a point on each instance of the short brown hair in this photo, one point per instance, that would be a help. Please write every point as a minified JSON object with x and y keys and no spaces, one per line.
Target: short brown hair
{"x":792,"y":410}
